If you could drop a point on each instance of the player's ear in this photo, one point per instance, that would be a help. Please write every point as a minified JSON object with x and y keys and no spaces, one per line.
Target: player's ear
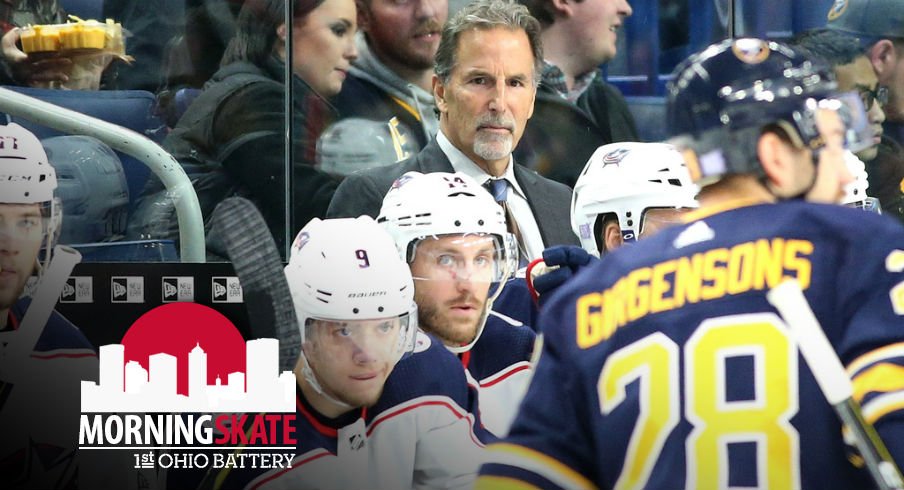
{"x":776,"y":155}
{"x":612,"y":236}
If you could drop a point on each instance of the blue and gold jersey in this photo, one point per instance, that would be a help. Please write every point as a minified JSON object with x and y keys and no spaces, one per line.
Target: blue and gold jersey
{"x":665,"y":367}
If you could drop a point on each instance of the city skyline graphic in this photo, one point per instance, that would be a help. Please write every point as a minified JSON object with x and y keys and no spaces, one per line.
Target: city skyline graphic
{"x":126,"y":386}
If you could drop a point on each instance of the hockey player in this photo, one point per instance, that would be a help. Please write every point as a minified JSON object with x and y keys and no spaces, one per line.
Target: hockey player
{"x":39,"y":397}
{"x":632,"y":388}
{"x":628,"y":191}
{"x":453,"y":236}
{"x":380,"y":405}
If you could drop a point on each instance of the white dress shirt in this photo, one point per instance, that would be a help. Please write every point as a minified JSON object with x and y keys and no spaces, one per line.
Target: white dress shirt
{"x":532,"y":242}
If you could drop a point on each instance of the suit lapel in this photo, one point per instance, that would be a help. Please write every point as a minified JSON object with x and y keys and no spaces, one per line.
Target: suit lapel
{"x":536,"y":199}
{"x":432,"y":159}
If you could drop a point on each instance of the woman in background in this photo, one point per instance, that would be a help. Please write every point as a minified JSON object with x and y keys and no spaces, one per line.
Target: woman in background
{"x":231,"y":139}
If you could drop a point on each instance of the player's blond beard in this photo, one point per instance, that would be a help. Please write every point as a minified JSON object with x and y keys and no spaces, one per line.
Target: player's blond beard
{"x":432,"y":320}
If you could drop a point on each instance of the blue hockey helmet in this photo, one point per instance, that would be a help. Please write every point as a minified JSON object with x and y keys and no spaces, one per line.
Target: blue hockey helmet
{"x":722,"y":98}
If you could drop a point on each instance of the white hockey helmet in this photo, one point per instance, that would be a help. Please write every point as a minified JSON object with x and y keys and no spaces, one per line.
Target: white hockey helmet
{"x":627,"y":179}
{"x":26,"y":177}
{"x":439,"y":204}
{"x":348,"y":270}
{"x":855,"y":194}
{"x":419,"y":206}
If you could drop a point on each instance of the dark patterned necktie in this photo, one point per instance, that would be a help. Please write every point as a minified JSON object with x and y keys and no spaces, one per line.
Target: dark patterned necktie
{"x":499,"y":188}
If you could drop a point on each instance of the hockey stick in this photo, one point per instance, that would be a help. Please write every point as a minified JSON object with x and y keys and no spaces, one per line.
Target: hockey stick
{"x":834,"y":382}
{"x":252,"y":251}
{"x":45,"y":298}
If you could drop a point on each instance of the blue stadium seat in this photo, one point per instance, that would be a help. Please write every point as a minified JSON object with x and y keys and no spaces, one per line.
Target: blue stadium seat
{"x":133,"y":109}
{"x":84,"y":9}
{"x":649,"y":114}
{"x":183,"y":98}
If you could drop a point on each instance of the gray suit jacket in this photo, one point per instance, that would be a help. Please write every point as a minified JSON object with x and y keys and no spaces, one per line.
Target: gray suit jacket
{"x":362,"y":193}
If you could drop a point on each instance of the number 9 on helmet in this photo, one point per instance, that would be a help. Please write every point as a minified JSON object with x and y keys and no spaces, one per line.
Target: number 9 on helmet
{"x":354,"y":300}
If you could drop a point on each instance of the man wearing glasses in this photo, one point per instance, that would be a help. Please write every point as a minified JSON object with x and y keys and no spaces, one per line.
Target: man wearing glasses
{"x":879,"y":27}
{"x":854,"y":73}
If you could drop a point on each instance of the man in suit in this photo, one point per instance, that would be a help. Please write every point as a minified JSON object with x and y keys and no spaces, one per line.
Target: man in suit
{"x":485,"y":82}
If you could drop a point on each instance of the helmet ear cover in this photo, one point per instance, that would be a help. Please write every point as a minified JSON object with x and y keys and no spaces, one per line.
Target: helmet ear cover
{"x":721,"y":151}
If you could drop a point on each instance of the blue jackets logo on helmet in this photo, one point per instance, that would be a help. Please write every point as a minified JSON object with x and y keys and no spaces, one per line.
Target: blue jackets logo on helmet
{"x":301,"y":240}
{"x":615,"y":157}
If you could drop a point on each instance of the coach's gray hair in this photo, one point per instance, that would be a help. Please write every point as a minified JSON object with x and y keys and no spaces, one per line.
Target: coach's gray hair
{"x":485,"y":15}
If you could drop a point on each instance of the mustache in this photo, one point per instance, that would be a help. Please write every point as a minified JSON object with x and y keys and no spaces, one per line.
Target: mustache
{"x":496,"y":120}
{"x":467,"y":298}
{"x":428,"y":26}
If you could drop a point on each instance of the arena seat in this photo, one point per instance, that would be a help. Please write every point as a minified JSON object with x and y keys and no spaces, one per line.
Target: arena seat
{"x":132,"y":109}
{"x":84,"y":9}
{"x":649,"y":115}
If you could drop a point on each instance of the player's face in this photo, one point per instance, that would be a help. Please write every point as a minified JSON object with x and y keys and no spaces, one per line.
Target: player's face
{"x":452,"y":276}
{"x":405,"y":33}
{"x":831,"y":172}
{"x":657,"y":219}
{"x":21,"y":232}
{"x":323,"y":45}
{"x":489,"y":96}
{"x":860,"y":77}
{"x":352,"y":359}
{"x":596,"y":24}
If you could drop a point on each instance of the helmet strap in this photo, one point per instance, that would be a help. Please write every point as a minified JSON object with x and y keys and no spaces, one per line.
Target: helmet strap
{"x":311,"y":379}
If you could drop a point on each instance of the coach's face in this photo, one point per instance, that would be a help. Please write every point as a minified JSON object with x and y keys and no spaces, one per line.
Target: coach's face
{"x":20,"y":240}
{"x":489,"y":96}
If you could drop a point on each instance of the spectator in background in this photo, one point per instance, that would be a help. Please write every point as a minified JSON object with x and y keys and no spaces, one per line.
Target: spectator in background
{"x":576,"y":110}
{"x":231,"y":139}
{"x":393,"y":75}
{"x":152,"y":24}
{"x":853,"y":71}
{"x":879,"y":26}
{"x":16,"y":67}
{"x":487,"y":69}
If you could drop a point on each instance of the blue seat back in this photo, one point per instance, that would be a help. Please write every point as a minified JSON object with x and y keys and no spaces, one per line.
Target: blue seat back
{"x":649,"y":115}
{"x":132,"y":109}
{"x":84,"y":9}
